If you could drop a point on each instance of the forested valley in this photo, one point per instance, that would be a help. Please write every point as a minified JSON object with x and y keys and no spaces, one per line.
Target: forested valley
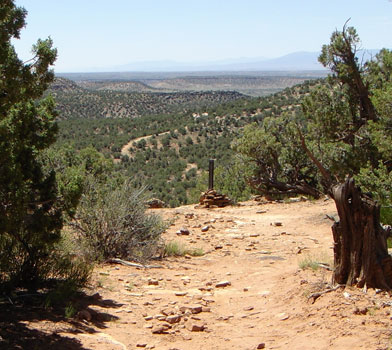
{"x":170,"y":136}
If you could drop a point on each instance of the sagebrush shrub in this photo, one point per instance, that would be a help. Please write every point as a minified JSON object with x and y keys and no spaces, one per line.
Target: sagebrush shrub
{"x":112,"y":222}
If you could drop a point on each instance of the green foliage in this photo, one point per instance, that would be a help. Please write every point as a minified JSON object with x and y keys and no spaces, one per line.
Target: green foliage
{"x":69,"y":311}
{"x":72,"y":169}
{"x":313,"y":261}
{"x":177,"y":249}
{"x":112,"y":222}
{"x":308,"y":263}
{"x":169,"y":149}
{"x":30,"y":213}
{"x":73,"y":101}
{"x":377,"y":181}
{"x":230,"y":179}
{"x":274,"y":162}
{"x":386,"y":216}
{"x":345,"y":130}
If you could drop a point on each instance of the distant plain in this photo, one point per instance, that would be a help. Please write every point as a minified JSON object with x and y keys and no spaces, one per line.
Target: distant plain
{"x":258,"y":83}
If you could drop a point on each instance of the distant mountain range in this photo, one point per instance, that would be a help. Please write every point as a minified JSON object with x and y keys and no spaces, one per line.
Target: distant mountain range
{"x":296,"y":61}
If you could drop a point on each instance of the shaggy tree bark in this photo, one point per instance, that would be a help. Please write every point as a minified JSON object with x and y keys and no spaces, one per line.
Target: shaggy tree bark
{"x":360,"y":250}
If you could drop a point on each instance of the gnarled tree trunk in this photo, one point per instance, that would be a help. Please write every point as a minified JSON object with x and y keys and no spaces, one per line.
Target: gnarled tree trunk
{"x":360,"y":250}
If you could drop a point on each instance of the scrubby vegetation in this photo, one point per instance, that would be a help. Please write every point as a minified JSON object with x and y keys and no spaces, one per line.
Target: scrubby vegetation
{"x":46,"y":191}
{"x":180,"y":144}
{"x":174,"y":248}
{"x":342,"y":136}
{"x":31,"y":214}
{"x":111,"y":222}
{"x":75,"y":177}
{"x":74,"y":101}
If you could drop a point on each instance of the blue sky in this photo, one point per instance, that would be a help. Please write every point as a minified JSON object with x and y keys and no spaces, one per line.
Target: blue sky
{"x":91,"y":34}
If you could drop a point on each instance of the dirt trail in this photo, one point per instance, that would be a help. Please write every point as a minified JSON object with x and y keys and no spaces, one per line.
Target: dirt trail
{"x":125,"y":148}
{"x":256,"y":250}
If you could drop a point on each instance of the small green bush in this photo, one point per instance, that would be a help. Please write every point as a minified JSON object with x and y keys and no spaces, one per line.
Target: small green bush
{"x":111,"y":222}
{"x":313,"y":261}
{"x":177,"y":249}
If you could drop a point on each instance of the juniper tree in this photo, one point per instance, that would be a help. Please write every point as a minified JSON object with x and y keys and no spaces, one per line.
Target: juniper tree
{"x":30,"y":215}
{"x":343,"y":134}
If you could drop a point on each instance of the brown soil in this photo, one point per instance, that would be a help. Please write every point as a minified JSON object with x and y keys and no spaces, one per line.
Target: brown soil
{"x":258,"y":250}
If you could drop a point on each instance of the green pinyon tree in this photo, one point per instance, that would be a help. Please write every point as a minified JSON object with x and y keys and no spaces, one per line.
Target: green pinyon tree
{"x":31,"y":213}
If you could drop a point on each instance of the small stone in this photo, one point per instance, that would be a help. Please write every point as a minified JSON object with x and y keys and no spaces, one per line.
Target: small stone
{"x":160,"y":329}
{"x":261,"y":211}
{"x":153,"y":282}
{"x":173,"y":319}
{"x":160,"y":317}
{"x":362,"y":311}
{"x":96,"y":296}
{"x":248,"y":308}
{"x":277,"y":223}
{"x":282,"y":316}
{"x":295,"y":200}
{"x":168,"y":311}
{"x":223,"y":284}
{"x":195,"y":309}
{"x":148,"y":318}
{"x":261,"y":346}
{"x":141,"y":345}
{"x":180,"y":294}
{"x":84,"y":315}
{"x":196,"y":327}
{"x":264,"y":293}
{"x":155,"y":203}
{"x":218,"y":247}
{"x":205,"y":228}
{"x":183,"y":231}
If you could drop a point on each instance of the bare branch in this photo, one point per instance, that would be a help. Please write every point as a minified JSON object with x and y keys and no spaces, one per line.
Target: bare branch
{"x":324,"y":172}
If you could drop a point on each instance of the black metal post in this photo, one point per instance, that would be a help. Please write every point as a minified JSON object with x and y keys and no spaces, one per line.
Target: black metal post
{"x":211,"y":175}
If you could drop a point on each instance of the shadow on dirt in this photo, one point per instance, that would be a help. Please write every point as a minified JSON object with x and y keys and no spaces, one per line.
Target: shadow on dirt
{"x":26,"y":324}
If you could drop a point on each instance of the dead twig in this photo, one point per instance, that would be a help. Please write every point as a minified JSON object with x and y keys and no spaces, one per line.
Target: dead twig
{"x":324,"y":266}
{"x":330,"y":218}
{"x":128,"y":263}
{"x":316,"y":295}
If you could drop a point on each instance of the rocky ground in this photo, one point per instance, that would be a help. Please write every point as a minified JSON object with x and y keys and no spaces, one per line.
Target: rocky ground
{"x":250,"y":290}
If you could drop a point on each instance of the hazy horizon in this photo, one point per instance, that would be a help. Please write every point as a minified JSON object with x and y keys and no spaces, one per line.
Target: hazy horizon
{"x":92,"y":37}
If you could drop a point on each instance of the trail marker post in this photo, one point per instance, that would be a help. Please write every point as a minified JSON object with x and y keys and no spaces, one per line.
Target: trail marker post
{"x":211,"y":175}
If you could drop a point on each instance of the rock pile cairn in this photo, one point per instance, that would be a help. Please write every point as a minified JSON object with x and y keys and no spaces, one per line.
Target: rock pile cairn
{"x":211,"y":198}
{"x":155,"y":203}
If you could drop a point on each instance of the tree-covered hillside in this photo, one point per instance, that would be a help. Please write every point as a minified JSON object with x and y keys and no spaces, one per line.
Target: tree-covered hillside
{"x":74,"y":101}
{"x":168,"y":152}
